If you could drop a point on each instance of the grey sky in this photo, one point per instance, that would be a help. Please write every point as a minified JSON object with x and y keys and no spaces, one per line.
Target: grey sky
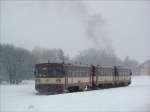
{"x":60,"y":25}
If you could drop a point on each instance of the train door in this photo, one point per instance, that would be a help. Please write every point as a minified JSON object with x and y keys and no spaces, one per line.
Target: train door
{"x":96,"y":75}
{"x":66,"y":79}
{"x":93,"y":75}
{"x":116,"y":75}
{"x":91,"y":78}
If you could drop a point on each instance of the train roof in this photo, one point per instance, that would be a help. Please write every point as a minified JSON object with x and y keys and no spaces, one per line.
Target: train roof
{"x":48,"y":64}
{"x":78,"y":65}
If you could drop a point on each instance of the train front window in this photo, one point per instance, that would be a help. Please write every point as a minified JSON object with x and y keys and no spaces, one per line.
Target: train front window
{"x":42,"y":71}
{"x":53,"y":71}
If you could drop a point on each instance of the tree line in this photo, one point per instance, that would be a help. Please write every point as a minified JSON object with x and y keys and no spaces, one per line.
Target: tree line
{"x":106,"y":58}
{"x":17,"y":64}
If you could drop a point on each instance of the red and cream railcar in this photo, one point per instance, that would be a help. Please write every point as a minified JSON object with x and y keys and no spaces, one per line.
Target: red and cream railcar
{"x":104,"y":76}
{"x":53,"y":77}
{"x":57,"y":78}
{"x":107,"y":76}
{"x":78,"y":77}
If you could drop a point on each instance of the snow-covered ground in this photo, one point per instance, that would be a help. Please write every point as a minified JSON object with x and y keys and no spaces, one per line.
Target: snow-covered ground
{"x":23,"y":98}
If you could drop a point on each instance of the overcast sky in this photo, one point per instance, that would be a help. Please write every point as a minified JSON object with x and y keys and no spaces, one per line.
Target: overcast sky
{"x":58,"y":24}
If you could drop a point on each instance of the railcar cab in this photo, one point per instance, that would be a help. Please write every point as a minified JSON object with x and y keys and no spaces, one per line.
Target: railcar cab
{"x":49,"y":70}
{"x":49,"y":77}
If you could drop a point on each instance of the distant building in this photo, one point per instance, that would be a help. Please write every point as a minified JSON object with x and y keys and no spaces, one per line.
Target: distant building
{"x":144,"y":68}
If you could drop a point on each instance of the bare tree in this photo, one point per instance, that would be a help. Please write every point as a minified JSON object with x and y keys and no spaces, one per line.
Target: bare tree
{"x":17,"y":62}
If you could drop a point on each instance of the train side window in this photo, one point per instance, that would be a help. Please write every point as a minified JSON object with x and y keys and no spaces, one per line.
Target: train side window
{"x":68,"y":73}
{"x":107,"y":73}
{"x":102,"y":72}
{"x":82,"y":74}
{"x":74,"y":73}
{"x":71,"y":73}
{"x":78,"y":73}
{"x":86,"y":74}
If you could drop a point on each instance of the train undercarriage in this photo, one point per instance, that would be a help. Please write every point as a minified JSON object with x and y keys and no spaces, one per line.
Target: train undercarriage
{"x":59,"y":89}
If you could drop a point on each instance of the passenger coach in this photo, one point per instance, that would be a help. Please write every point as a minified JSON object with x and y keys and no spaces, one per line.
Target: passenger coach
{"x":59,"y":78}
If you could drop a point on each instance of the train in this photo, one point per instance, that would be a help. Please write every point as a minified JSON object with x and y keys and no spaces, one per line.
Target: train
{"x":59,"y":77}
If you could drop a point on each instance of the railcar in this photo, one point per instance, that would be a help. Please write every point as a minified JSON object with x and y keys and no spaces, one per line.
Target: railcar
{"x":59,"y":77}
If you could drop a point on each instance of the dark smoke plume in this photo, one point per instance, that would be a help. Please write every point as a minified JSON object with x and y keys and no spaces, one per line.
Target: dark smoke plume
{"x":95,"y":27}
{"x":96,"y":32}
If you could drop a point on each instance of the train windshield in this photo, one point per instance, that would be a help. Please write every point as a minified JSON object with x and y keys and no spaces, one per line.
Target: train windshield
{"x":47,"y":71}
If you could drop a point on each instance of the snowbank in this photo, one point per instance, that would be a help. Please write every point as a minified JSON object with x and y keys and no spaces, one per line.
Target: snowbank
{"x":23,"y":98}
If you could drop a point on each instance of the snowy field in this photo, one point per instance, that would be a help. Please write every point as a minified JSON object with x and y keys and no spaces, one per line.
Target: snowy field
{"x":23,"y":98}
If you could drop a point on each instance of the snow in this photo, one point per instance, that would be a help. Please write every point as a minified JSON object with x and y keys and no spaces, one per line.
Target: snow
{"x":23,"y":98}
